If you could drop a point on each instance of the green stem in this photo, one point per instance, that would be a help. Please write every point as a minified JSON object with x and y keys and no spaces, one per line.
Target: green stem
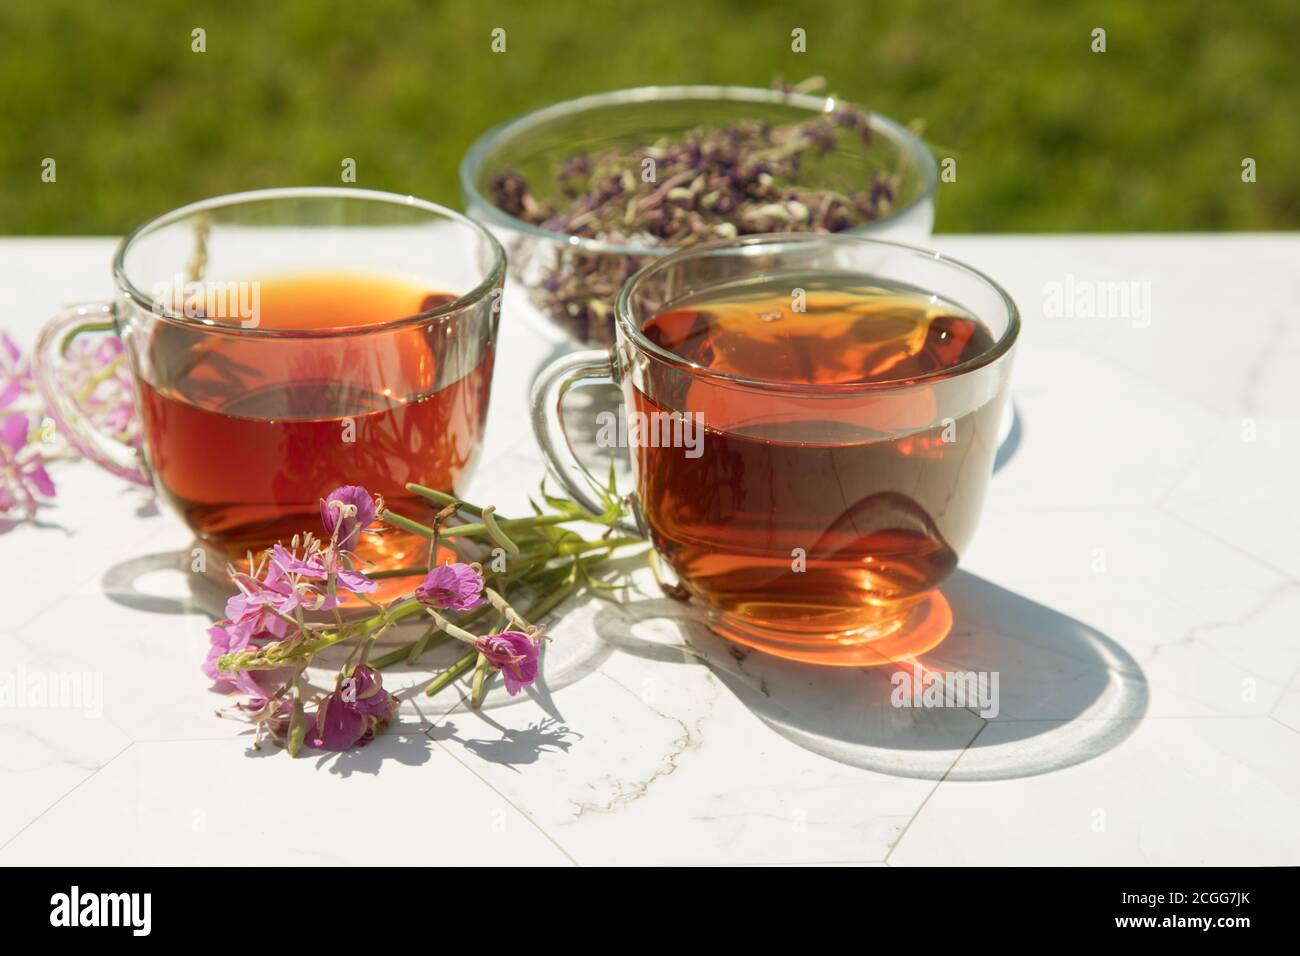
{"x":432,"y":637}
{"x":406,"y":524}
{"x":451,"y":673}
{"x":480,"y":683}
{"x":395,"y":573}
{"x":510,"y":614}
{"x":496,"y":533}
{"x":478,"y":527}
{"x":457,"y":632}
{"x":442,"y":498}
{"x":106,"y":372}
{"x":544,"y":606}
{"x":107,"y":326}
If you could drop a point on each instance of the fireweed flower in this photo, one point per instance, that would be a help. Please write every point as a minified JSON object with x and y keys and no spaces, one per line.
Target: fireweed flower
{"x":452,"y":587}
{"x":273,"y":633}
{"x":253,"y":610}
{"x":351,"y":715}
{"x":320,"y":566}
{"x":268,"y":594}
{"x":514,"y":654}
{"x":96,"y":374}
{"x":15,"y":372}
{"x":364,"y":692}
{"x":271,"y":717}
{"x":226,"y":640}
{"x":345,"y":512}
{"x":337,"y":726}
{"x":23,"y":478}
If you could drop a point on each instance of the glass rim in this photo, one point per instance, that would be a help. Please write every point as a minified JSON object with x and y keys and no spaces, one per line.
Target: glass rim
{"x":628,"y":326}
{"x":494,"y":277}
{"x":472,"y":162}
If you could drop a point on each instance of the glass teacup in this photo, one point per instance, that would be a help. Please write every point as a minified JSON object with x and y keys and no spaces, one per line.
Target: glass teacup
{"x":288,"y":341}
{"x":812,"y":421}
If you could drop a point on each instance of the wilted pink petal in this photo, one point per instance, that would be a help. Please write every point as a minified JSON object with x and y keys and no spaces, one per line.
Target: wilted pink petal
{"x":337,"y":727}
{"x":273,"y":714}
{"x":364,"y":691}
{"x":514,"y":653}
{"x":452,"y":587}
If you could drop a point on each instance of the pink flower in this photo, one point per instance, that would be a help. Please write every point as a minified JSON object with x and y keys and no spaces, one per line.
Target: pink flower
{"x":364,"y":691}
{"x":273,"y":716}
{"x":15,"y":372}
{"x":346,"y":512}
{"x":514,"y":654}
{"x":352,"y":714}
{"x":227,"y":640}
{"x":452,"y":587}
{"x":254,"y":609}
{"x":96,"y":371}
{"x":23,"y":478}
{"x":338,"y":726}
{"x":319,"y":566}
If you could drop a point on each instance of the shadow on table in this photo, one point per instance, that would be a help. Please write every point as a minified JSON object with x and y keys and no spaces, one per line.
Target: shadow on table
{"x":196,"y":594}
{"x":1066,"y":692}
{"x":1009,"y":443}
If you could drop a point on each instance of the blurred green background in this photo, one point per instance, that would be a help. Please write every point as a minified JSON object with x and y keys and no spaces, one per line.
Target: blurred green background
{"x":1049,"y":136}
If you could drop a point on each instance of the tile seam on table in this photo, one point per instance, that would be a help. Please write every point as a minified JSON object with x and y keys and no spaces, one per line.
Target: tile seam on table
{"x":1273,"y":717}
{"x":455,"y":755}
{"x":67,"y":793}
{"x":38,"y":655}
{"x":1195,"y":633}
{"x":491,"y":786}
{"x":933,"y":790}
{"x":1232,"y":546}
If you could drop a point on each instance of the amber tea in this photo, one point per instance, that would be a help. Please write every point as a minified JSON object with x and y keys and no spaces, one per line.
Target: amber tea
{"x":830,"y":494}
{"x":249,"y":431}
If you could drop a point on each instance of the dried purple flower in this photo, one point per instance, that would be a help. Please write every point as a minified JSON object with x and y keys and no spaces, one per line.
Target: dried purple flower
{"x":710,"y":183}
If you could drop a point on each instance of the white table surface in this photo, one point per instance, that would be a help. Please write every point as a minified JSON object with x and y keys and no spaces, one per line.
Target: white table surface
{"x":1135,"y":581}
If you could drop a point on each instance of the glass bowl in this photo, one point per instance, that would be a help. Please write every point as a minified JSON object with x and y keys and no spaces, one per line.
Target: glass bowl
{"x":570,"y":282}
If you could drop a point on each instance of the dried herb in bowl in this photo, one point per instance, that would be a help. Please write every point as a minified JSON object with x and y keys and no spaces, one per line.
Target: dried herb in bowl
{"x":744,"y":178}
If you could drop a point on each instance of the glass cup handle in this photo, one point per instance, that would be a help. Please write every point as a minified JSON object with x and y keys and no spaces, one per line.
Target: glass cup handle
{"x":107,"y":452}
{"x":579,"y":369}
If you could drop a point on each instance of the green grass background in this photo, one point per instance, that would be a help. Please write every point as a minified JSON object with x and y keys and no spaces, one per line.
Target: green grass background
{"x":1049,"y":136}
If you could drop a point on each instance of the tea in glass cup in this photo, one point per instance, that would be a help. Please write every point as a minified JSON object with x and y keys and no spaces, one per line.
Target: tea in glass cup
{"x":847,"y":395}
{"x":286,"y":342}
